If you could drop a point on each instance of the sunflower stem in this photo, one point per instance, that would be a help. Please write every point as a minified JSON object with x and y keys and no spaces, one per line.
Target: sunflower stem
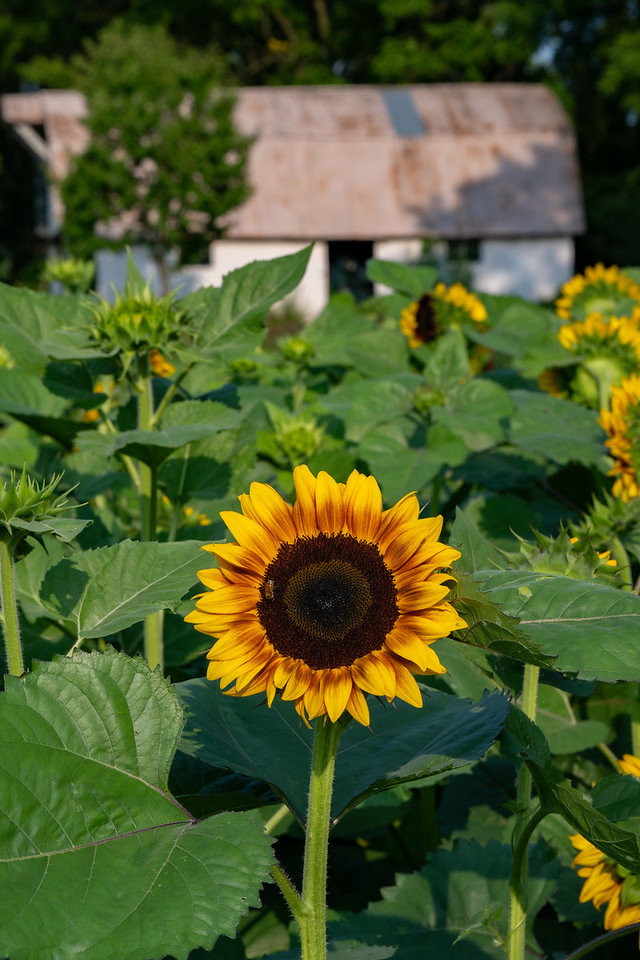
{"x":153,"y":622}
{"x":10,"y":623}
{"x":313,"y":921}
{"x":522,"y":831}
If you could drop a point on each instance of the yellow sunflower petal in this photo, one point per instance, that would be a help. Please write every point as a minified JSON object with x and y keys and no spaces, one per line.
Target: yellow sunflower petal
{"x":329,"y":504}
{"x":337,"y":687}
{"x":406,"y":687}
{"x":357,"y":707}
{"x":364,"y":510}
{"x":230,"y":599}
{"x":304,"y":509}
{"x":250,"y":534}
{"x":268,"y":508}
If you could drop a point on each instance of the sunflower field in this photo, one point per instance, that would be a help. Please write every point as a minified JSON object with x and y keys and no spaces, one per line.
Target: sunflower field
{"x":322,"y":644}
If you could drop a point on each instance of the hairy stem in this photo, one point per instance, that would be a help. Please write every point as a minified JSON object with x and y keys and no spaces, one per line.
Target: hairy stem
{"x":10,"y":623}
{"x":522,"y":832}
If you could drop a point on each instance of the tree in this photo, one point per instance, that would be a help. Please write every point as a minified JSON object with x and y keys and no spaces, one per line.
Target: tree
{"x":164,"y":161}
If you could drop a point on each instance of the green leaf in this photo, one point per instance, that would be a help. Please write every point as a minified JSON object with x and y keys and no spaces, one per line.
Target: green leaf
{"x":557,"y":429}
{"x":591,"y":629}
{"x":248,"y":293}
{"x":491,"y":629}
{"x":183,"y":423}
{"x":402,"y":745}
{"x":478,"y":413}
{"x":36,"y":326}
{"x":105,"y":590}
{"x":87,"y":743}
{"x":399,"y":467}
{"x":478,"y":553}
{"x":412,"y":279}
{"x":446,"y":362}
{"x":565,"y":733}
{"x":523,"y":739}
{"x":333,"y":330}
{"x":427,"y":911}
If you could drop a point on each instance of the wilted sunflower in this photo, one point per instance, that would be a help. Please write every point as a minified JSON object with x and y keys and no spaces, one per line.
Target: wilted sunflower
{"x":622,"y":425}
{"x":600,"y":289}
{"x":427,"y":318}
{"x":328,"y":599}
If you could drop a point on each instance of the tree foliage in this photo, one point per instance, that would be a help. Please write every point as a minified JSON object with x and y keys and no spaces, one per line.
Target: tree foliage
{"x":164,"y":161}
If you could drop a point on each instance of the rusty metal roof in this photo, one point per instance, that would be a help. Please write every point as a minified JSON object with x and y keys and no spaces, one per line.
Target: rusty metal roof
{"x":368,"y":162}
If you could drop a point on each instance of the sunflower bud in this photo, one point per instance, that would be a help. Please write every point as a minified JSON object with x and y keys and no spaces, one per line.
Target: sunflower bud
{"x":75,"y":275}
{"x":296,"y":349}
{"x":25,"y":505}
{"x":137,"y":322}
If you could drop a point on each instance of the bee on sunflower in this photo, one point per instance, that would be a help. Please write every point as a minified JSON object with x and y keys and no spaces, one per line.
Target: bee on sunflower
{"x":600,"y":289}
{"x":327,"y":600}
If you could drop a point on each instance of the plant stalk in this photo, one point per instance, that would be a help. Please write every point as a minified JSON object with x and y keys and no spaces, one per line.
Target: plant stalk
{"x":153,"y":622}
{"x":313,"y":919}
{"x":10,"y":623}
{"x":522,"y":829}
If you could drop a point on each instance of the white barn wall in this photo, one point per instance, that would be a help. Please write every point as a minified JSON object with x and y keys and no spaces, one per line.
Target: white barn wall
{"x":531,"y":268}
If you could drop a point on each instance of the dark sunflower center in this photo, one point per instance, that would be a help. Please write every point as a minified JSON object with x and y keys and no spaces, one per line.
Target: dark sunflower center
{"x":328,"y":600}
{"x":427,"y":326}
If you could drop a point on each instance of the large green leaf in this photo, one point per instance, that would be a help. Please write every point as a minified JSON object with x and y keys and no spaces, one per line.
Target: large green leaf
{"x":399,"y":467}
{"x":565,"y":732}
{"x":489,"y":627}
{"x":477,"y":552}
{"x":557,"y":429}
{"x":35,"y":326}
{"x":412,"y":279}
{"x":478,"y":413}
{"x":402,"y":744}
{"x":459,"y":891}
{"x":96,"y":858}
{"x":183,"y":423}
{"x":524,"y":740}
{"x":591,"y":629}
{"x":248,"y":293}
{"x":105,"y":590}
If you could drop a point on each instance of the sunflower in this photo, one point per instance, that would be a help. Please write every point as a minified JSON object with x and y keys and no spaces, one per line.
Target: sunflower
{"x":159,"y":364}
{"x":600,"y":289}
{"x":426,"y":318}
{"x":606,"y":351}
{"x":327,"y":600}
{"x":606,"y":881}
{"x":622,"y":426}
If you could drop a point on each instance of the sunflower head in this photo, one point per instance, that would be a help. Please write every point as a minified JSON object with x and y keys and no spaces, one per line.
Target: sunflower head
{"x":621,"y":423}
{"x":327,"y":600}
{"x":606,"y":351}
{"x":600,"y":289}
{"x":435,"y":312}
{"x":605,"y":880}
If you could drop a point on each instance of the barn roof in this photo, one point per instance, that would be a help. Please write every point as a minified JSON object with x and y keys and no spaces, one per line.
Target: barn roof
{"x":368,"y":162}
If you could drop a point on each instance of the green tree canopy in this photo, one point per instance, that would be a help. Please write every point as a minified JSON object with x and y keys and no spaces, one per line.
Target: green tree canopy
{"x":164,"y":161}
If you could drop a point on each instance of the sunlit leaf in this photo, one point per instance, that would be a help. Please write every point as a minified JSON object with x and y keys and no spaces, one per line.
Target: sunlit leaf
{"x":87,"y":743}
{"x":105,"y":590}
